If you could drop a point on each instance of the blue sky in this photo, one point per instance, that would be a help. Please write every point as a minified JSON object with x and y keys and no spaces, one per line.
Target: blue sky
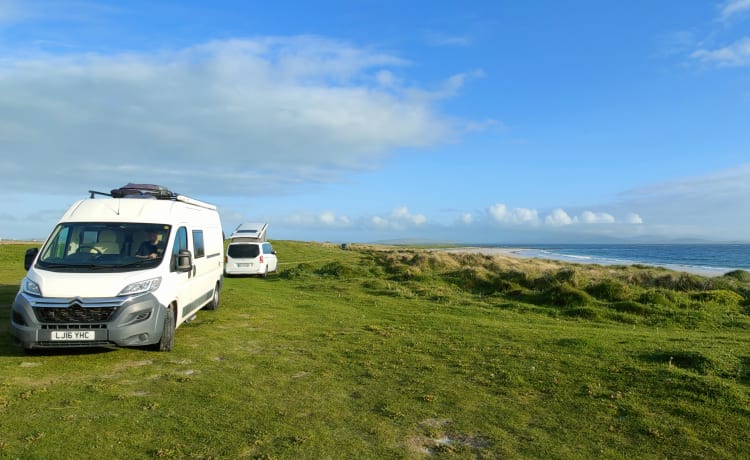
{"x":472,"y":122}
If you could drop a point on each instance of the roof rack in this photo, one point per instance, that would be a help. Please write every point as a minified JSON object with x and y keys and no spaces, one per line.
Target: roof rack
{"x":150,"y":191}
{"x":143,"y":191}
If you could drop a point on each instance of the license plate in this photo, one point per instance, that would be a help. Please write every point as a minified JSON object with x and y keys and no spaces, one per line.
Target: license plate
{"x":244,"y":265}
{"x":72,"y":335}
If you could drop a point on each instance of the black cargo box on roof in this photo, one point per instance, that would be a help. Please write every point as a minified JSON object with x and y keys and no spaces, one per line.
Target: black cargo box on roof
{"x":142,"y":191}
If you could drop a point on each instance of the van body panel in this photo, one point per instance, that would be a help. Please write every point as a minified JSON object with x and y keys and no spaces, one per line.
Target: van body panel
{"x":76,"y":285}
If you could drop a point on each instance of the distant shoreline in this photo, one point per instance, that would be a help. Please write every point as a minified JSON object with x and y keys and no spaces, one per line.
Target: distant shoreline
{"x":530,"y":253}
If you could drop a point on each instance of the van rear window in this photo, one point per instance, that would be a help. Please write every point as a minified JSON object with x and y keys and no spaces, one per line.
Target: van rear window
{"x":243,"y":251}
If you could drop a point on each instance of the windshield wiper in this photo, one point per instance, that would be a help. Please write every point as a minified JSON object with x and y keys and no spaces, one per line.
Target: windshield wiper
{"x":56,"y":265}
{"x":138,"y":263}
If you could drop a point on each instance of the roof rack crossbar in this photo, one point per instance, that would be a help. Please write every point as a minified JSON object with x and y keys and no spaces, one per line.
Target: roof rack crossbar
{"x":94,"y":192}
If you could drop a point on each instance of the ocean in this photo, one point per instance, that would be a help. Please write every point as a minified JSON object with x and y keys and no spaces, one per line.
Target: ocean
{"x":705,"y":259}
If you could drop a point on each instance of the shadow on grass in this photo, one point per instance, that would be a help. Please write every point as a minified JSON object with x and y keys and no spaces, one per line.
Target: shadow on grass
{"x":745,"y":374}
{"x":687,"y":360}
{"x":14,"y":350}
{"x":736,"y":368}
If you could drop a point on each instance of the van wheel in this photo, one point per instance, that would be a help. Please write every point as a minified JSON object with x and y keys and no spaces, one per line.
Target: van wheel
{"x":265,"y":273}
{"x":214,"y":303}
{"x":166,"y":342}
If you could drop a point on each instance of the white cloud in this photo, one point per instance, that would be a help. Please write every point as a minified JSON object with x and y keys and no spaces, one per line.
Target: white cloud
{"x":633,"y":218}
{"x":212,"y":118}
{"x":402,"y":214}
{"x":467,"y":218}
{"x":735,"y":55}
{"x":379,"y":222}
{"x":734,"y":7}
{"x":558,"y":217}
{"x":456,"y":82}
{"x":501,"y":214}
{"x":589,"y":217}
{"x":316,"y":220}
{"x":399,"y":219}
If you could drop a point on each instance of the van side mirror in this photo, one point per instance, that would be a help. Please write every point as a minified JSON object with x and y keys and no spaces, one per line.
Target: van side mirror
{"x":28,"y":259}
{"x":184,"y":261}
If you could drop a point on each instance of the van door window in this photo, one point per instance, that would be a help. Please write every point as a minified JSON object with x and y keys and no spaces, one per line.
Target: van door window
{"x":200,"y":249}
{"x":180,"y":244}
{"x":180,"y":241}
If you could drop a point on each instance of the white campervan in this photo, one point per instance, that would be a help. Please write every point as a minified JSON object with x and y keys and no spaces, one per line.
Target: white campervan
{"x":125,"y":270}
{"x":249,"y":252}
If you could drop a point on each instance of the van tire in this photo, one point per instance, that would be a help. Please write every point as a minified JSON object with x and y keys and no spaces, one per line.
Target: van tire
{"x":215,"y":297}
{"x":265,"y":273}
{"x":166,"y":342}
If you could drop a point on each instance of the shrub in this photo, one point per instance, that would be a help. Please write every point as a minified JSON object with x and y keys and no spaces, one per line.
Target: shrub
{"x":720,"y":296}
{"x":339,"y":270}
{"x":565,"y":295}
{"x":301,"y":270}
{"x":657,"y":297}
{"x":631,"y":306}
{"x":507,"y":287}
{"x":518,"y":277}
{"x":567,"y":275}
{"x":472,"y":279}
{"x":583,"y":312}
{"x":611,"y":290}
{"x":683,"y":282}
{"x":739,"y":275}
{"x":543,"y":282}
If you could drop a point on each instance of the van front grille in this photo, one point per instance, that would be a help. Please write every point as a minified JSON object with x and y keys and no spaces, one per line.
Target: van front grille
{"x":73,"y":314}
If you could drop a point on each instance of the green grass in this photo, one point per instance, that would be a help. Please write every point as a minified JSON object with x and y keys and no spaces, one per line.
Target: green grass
{"x":373,"y":353}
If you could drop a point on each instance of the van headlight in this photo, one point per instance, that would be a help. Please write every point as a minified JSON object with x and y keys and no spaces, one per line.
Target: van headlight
{"x":30,"y":287}
{"x":141,"y":286}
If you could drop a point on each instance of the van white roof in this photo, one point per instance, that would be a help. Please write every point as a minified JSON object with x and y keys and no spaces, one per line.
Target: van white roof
{"x":134,"y":210}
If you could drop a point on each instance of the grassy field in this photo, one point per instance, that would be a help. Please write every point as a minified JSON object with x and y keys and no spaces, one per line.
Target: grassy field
{"x":374,"y":353}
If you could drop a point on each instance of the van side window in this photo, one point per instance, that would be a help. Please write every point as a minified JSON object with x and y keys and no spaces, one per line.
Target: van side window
{"x":200,"y":249}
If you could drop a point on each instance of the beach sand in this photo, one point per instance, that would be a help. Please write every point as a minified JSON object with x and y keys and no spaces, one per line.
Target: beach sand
{"x":525,"y":253}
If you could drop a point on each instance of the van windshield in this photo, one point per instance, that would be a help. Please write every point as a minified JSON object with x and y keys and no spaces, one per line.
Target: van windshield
{"x":111,"y":246}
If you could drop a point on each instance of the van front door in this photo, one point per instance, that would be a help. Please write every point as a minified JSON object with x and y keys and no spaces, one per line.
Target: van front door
{"x":184,"y":279}
{"x":205,"y":273}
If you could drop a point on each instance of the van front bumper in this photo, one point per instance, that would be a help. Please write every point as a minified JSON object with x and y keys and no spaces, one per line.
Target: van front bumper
{"x":39,"y":322}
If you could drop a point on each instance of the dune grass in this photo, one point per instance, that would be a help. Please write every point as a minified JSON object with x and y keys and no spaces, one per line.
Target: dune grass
{"x":395,"y":353}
